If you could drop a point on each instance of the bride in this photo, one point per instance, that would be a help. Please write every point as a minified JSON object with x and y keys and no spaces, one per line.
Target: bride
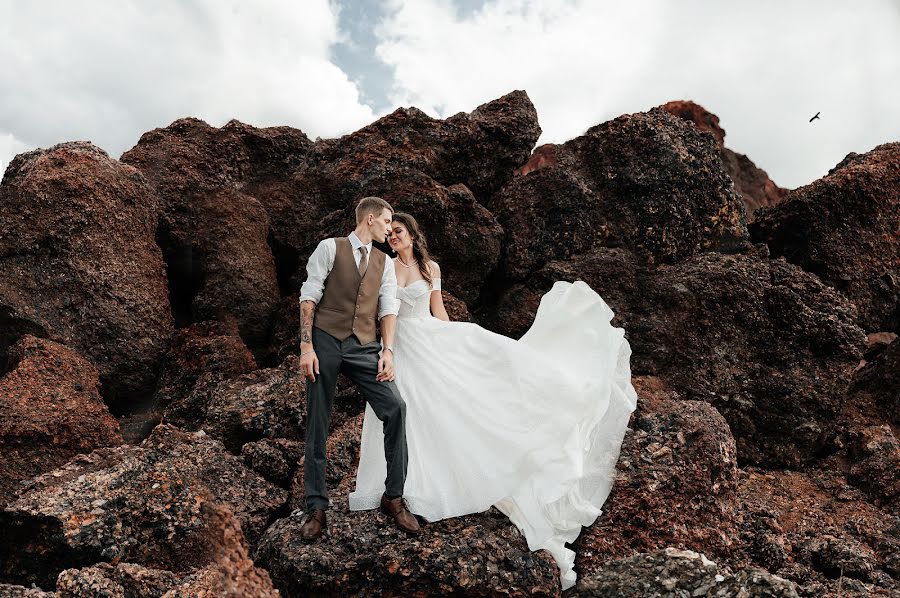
{"x":532,"y":427}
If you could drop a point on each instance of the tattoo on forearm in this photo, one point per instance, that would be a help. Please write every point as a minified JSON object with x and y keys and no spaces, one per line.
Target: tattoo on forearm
{"x":306,"y":320}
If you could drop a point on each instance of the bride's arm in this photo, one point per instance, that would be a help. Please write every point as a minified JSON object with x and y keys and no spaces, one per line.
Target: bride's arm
{"x":437,"y":301}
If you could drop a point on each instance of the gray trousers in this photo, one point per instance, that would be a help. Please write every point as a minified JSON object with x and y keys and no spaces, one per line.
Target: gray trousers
{"x":360,"y":364}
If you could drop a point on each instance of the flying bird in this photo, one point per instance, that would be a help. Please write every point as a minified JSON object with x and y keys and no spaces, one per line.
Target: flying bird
{"x":815,"y":117}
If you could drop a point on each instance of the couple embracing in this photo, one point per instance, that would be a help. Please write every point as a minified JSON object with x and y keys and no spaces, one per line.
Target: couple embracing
{"x":459,"y":419}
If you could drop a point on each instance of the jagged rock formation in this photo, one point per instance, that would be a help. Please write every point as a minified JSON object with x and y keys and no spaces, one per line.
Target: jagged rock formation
{"x":166,"y":286}
{"x":139,"y":504}
{"x":751,"y":182}
{"x":845,"y":228}
{"x":79,"y":264}
{"x":50,"y":410}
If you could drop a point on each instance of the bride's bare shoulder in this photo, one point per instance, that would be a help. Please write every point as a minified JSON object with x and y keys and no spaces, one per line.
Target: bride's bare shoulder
{"x":434,"y":269}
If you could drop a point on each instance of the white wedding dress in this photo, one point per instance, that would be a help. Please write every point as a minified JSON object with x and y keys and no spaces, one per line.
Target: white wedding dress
{"x":533,"y":426}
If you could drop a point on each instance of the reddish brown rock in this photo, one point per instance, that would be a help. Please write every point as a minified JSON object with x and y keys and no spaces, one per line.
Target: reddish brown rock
{"x":440,"y":171}
{"x":476,"y":555}
{"x":228,"y":570}
{"x":212,"y":351}
{"x":649,"y":182}
{"x":751,"y":182}
{"x":479,"y":149}
{"x":820,"y":532}
{"x":770,"y":346}
{"x":236,"y":267}
{"x":267,"y":403}
{"x":697,"y":114}
{"x":677,"y":484}
{"x":845,"y":228}
{"x":79,"y":263}
{"x":140,"y":504}
{"x":274,"y":459}
{"x":213,"y":231}
{"x":50,"y":410}
{"x":456,"y":309}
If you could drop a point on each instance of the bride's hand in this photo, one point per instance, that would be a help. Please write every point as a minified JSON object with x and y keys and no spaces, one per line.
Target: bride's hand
{"x":386,"y":367}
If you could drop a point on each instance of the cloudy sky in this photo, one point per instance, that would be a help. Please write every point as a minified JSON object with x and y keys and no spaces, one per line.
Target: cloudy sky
{"x":108,"y":70}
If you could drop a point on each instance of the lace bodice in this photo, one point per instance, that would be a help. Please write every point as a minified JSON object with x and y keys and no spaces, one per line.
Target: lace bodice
{"x":415,"y":299}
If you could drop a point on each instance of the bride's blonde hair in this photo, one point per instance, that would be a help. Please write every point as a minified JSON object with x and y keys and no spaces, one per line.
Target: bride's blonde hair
{"x":419,"y":243}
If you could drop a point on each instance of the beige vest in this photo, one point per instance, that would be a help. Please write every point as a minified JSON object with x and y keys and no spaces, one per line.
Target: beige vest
{"x":349,"y":304}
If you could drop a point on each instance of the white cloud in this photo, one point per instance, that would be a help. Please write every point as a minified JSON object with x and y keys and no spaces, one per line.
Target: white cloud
{"x":9,"y":147}
{"x":764,"y":68}
{"x":107,"y":72}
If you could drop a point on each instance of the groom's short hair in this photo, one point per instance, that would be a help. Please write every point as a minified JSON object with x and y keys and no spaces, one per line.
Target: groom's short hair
{"x":371,"y":205}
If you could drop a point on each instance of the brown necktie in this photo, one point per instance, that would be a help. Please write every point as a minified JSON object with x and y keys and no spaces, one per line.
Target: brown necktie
{"x":363,"y":262}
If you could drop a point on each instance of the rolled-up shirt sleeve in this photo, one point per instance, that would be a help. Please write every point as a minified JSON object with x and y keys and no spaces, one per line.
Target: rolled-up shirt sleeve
{"x":317,"y":268}
{"x":388,"y":304}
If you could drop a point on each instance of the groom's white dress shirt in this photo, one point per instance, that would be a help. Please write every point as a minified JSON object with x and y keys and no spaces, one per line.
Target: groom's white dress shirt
{"x":322,"y":261}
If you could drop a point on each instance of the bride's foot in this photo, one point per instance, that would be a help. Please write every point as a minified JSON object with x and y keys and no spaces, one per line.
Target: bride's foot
{"x":396,"y":508}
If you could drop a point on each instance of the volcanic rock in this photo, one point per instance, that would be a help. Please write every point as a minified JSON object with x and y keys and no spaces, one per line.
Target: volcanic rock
{"x":828,"y":538}
{"x":79,"y":265}
{"x":676,"y":483}
{"x":649,"y":182}
{"x":476,"y":555}
{"x":50,"y":410}
{"x":751,"y":182}
{"x":209,"y":351}
{"x":878,"y":383}
{"x":267,"y":403}
{"x":845,"y":228}
{"x":876,"y":467}
{"x":770,"y":346}
{"x":139,"y":504}
{"x":274,"y":459}
{"x":213,"y":231}
{"x":673,"y":572}
{"x":230,"y":572}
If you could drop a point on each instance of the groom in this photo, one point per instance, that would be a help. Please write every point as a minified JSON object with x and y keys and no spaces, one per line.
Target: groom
{"x":347,"y":285}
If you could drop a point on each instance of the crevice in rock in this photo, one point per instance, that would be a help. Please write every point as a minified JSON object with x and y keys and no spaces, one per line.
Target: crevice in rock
{"x":186,"y":273}
{"x":286,"y":262}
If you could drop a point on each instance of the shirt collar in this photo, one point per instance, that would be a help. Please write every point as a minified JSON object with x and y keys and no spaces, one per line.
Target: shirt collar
{"x":356,"y":243}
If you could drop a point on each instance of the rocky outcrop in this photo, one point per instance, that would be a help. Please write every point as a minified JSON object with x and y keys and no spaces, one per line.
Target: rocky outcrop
{"x":673,"y":572}
{"x":676,"y":486}
{"x":139,"y":504}
{"x":213,"y":231}
{"x":50,"y":411}
{"x":475,"y":555}
{"x":764,"y":436}
{"x":820,"y":532}
{"x":229,"y":571}
{"x":648,"y":182}
{"x":770,"y":346}
{"x":207,"y":352}
{"x":79,"y":265}
{"x":266,"y":403}
{"x":845,"y":229}
{"x":751,"y":182}
{"x":878,"y":383}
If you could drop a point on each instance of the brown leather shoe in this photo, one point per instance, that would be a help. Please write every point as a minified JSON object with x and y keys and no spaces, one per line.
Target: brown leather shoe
{"x":313,"y":526}
{"x":398,"y":510}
